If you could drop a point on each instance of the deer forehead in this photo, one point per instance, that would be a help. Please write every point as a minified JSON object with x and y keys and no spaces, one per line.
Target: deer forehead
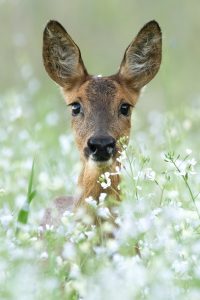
{"x":99,"y":92}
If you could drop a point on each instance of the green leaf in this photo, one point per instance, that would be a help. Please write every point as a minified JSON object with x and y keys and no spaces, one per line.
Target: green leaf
{"x":31,"y":180}
{"x":23,"y":214}
{"x":24,"y":211}
{"x":32,"y":195}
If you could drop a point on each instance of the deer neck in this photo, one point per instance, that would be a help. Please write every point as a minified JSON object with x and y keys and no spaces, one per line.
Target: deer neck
{"x":89,"y":184}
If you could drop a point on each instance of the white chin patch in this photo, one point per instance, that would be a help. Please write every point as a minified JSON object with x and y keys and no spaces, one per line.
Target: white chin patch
{"x":93,"y":163}
{"x":98,"y":76}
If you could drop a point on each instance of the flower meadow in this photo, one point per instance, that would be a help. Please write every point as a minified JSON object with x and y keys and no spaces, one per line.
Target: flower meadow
{"x":146,"y":247}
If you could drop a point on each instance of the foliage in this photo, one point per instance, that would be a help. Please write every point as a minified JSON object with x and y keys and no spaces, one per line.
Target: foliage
{"x":146,"y":247}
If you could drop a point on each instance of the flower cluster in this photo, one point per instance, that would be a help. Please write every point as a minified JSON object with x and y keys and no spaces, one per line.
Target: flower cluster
{"x":146,"y":247}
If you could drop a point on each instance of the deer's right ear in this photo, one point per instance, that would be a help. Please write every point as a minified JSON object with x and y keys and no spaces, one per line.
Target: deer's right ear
{"x":142,"y":58}
{"x":62,"y":57}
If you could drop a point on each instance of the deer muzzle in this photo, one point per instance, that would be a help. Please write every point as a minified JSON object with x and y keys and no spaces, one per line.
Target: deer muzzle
{"x":101,"y":148}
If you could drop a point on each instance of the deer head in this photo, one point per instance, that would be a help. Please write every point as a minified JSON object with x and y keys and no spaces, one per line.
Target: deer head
{"x":101,"y":106}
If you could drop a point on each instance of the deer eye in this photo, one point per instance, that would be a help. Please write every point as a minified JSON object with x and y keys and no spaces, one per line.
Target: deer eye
{"x":125,"y":109}
{"x":76,"y":108}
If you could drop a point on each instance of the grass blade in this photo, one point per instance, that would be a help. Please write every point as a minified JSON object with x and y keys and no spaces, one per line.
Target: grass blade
{"x":24,"y":211}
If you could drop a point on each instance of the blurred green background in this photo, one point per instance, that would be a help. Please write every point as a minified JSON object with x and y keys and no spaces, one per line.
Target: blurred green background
{"x":34,"y":124}
{"x":102,"y":29}
{"x":34,"y":120}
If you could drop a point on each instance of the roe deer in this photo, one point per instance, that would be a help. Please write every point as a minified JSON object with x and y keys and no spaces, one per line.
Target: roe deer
{"x":101,"y":106}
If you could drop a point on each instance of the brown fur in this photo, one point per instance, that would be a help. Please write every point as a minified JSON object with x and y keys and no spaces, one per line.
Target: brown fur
{"x":89,"y":178}
{"x":53,"y":214}
{"x":100,"y":97}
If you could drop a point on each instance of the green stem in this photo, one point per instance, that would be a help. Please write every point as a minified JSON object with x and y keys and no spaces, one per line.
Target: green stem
{"x":132,"y":175}
{"x":162,"y":189}
{"x":188,"y":186}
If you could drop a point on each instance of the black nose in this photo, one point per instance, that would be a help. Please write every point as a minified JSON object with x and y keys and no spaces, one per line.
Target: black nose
{"x":101,"y":147}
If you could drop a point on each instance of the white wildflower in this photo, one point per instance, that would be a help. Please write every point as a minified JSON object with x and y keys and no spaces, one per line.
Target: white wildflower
{"x":44,"y":255}
{"x":59,"y":260}
{"x":103,"y":212}
{"x":90,"y":234}
{"x":144,"y":224}
{"x":49,"y":227}
{"x":173,"y":194}
{"x":118,"y":170}
{"x":182,"y":165}
{"x":112,"y":246}
{"x":149,"y":174}
{"x":138,"y":187}
{"x":177,"y":228}
{"x":102,"y":197}
{"x":69,"y":251}
{"x":122,"y":156}
{"x":118,"y":221}
{"x":6,"y":220}
{"x":192,"y":162}
{"x":180,"y":267}
{"x":105,"y":185}
{"x":105,"y":180}
{"x":20,"y":200}
{"x":188,"y":151}
{"x":107,"y":227}
{"x":99,"y":250}
{"x":68,"y":213}
{"x":91,"y":202}
{"x":74,"y":271}
{"x":16,"y":113}
{"x":80,"y":237}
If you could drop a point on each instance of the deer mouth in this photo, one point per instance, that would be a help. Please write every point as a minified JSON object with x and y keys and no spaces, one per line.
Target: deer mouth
{"x":100,"y":164}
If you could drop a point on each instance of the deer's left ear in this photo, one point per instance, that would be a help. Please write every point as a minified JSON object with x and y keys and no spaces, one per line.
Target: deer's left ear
{"x":62,"y":57}
{"x":142,"y":58}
